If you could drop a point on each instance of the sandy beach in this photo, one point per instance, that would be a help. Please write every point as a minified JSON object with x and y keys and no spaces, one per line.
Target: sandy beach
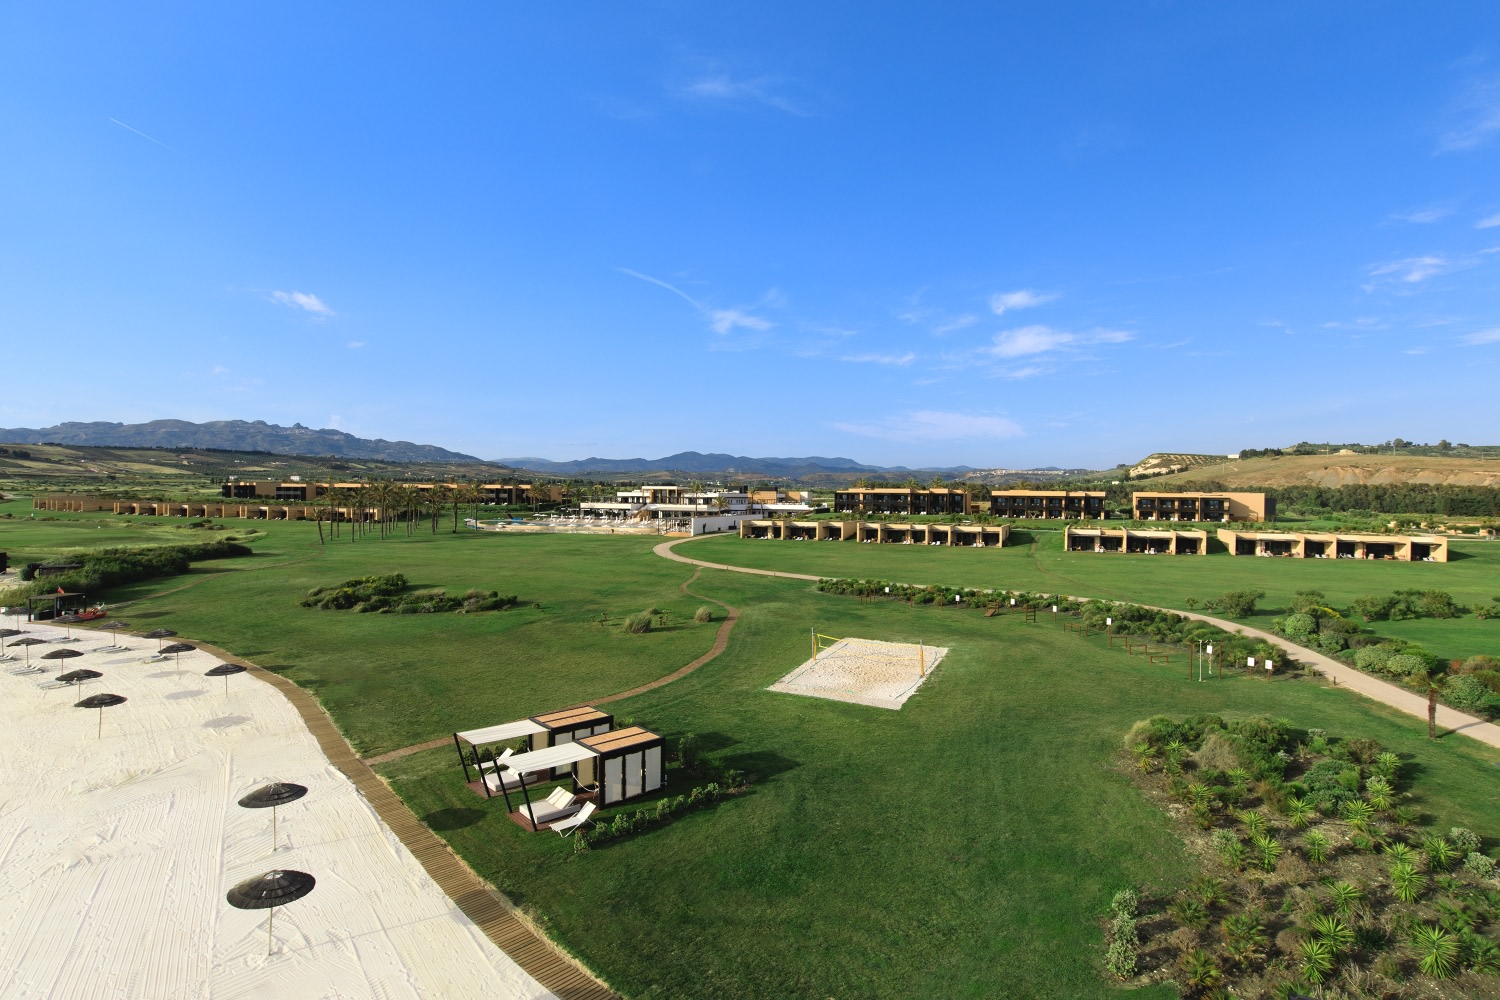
{"x":116,"y":851}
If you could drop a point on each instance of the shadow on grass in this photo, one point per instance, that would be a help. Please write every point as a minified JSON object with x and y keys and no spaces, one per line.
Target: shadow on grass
{"x":761,"y":765}
{"x":455,"y":818}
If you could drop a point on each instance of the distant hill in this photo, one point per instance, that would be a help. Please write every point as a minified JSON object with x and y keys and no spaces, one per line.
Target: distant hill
{"x":232,"y":435}
{"x":1165,"y":463}
{"x":1342,"y":470}
{"x":698,"y":463}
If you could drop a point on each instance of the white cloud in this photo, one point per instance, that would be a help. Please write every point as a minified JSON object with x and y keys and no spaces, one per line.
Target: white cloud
{"x":355,"y":345}
{"x":936,"y":425}
{"x":1027,"y":371}
{"x":1002,"y":302}
{"x":1421,"y":216}
{"x":1479,"y":111}
{"x":1488,"y":222}
{"x":302,"y":300}
{"x":1028,"y":340}
{"x":725,"y":89}
{"x":958,"y":323}
{"x":1484,"y":337}
{"x":897,"y":360}
{"x":1410,"y":270}
{"x":720,"y":321}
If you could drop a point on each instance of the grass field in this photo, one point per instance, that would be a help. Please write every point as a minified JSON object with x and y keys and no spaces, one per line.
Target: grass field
{"x":963,"y":846}
{"x":1036,"y":560}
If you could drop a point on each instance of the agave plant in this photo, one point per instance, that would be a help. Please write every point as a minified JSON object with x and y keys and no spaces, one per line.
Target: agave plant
{"x":1332,"y":930}
{"x":1380,"y":794}
{"x":1406,"y":815}
{"x":1317,"y":960}
{"x":1318,"y":848}
{"x":1441,"y":855}
{"x":1401,"y":854}
{"x":1269,"y":850}
{"x":1145,"y":756}
{"x":1299,"y":812}
{"x":1234,"y":854}
{"x":1238,"y":776}
{"x":1345,"y":896}
{"x":1254,"y":822}
{"x":1202,"y":974}
{"x":1387,"y":765}
{"x":1437,"y":951}
{"x":1407,"y":883}
{"x":1358,"y":813}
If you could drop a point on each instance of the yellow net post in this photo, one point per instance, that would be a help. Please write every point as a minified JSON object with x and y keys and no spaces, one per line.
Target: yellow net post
{"x":921,"y":658}
{"x":814,"y":635}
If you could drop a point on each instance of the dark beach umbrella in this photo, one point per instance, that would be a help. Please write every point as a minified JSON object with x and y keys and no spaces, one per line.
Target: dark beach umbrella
{"x":68,"y":622}
{"x":177,"y":649}
{"x":224,"y":670}
{"x":114,"y":627}
{"x":28,"y":642}
{"x":159,"y":634}
{"x":78,"y":676}
{"x":101,"y":702}
{"x":61,"y":654}
{"x":268,"y":891}
{"x":6,"y":633}
{"x":277,"y":793}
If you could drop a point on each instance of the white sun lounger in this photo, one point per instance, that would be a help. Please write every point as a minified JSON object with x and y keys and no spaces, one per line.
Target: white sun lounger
{"x":565,"y":827}
{"x":558,"y":805}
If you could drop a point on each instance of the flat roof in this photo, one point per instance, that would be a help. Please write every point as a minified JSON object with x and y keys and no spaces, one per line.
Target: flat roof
{"x":620,"y":739}
{"x":571,"y":718}
{"x":500,"y":733}
{"x":546,"y":758}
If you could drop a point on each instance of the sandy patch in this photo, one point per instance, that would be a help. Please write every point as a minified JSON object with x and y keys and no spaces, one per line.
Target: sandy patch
{"x":116,"y":852}
{"x":865,"y":672}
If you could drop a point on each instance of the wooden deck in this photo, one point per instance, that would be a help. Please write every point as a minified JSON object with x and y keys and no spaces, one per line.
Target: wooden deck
{"x":500,"y":921}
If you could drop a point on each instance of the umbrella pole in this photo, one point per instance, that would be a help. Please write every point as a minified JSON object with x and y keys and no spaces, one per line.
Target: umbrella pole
{"x":101,"y":722}
{"x":270,"y":922}
{"x":273,"y":831}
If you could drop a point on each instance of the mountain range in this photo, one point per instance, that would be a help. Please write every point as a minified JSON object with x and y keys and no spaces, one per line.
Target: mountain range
{"x":257,"y":435}
{"x":231,"y":435}
{"x":698,"y":462}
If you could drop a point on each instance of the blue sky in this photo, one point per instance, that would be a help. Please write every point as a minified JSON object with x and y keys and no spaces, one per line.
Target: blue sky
{"x":986,"y":234}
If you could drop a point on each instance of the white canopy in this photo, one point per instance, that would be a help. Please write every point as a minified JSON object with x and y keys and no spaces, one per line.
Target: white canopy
{"x":549,"y":757}
{"x":498,"y":734}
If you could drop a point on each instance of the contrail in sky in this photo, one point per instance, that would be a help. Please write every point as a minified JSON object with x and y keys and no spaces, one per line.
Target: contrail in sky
{"x":140,"y":133}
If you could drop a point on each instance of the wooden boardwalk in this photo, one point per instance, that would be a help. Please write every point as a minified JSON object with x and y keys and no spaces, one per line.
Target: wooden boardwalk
{"x":493,"y":913}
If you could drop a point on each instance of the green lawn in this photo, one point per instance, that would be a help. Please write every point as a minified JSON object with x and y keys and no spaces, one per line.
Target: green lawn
{"x":1036,"y":561}
{"x":963,"y":846}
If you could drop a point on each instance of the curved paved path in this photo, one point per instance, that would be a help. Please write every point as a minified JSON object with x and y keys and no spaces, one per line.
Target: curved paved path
{"x":721,"y":641}
{"x":1341,"y":674}
{"x":501,"y":922}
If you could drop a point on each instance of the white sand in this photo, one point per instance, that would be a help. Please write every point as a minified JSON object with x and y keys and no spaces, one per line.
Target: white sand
{"x":116,"y":853}
{"x":865,"y":672}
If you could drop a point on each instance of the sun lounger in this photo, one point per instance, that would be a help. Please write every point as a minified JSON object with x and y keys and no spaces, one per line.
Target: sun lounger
{"x":565,"y":827}
{"x":558,"y":805}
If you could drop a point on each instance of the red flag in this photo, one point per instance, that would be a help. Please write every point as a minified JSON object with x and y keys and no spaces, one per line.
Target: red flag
{"x":61,"y":591}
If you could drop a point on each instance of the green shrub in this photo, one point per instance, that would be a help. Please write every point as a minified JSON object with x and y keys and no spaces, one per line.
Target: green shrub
{"x":1373,"y":608}
{"x":1373,"y":658}
{"x":703,"y":614}
{"x":1299,"y":628}
{"x":1239,"y":603}
{"x":1468,"y":693}
{"x":638,"y":624}
{"x":1481,"y":866}
{"x":1463,"y":839}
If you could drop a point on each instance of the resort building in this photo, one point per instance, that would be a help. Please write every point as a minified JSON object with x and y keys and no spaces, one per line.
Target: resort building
{"x":1203,"y":507}
{"x":1326,"y":545}
{"x":878,"y":532}
{"x":298,"y":491}
{"x":1148,"y":541}
{"x":901,"y":500}
{"x":1048,"y":504}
